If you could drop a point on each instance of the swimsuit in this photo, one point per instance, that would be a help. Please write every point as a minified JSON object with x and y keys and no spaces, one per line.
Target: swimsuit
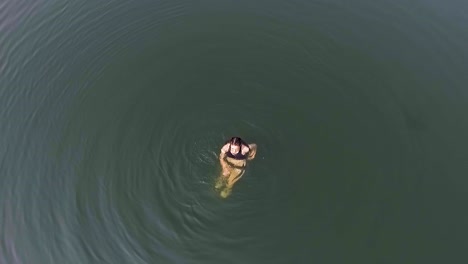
{"x":238,"y":156}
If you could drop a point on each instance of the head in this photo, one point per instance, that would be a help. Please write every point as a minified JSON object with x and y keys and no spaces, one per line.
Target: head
{"x":235,"y":145}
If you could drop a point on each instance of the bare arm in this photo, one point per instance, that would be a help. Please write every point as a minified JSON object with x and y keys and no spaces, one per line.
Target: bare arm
{"x":252,"y":152}
{"x":222,"y":155}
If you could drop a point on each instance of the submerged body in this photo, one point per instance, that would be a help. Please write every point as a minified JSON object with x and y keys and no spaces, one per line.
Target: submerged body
{"x":233,"y":158}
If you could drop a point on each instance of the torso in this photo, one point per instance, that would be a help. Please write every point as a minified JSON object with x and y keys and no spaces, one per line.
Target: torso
{"x":236,"y":162}
{"x":239,"y":159}
{"x":237,"y":156}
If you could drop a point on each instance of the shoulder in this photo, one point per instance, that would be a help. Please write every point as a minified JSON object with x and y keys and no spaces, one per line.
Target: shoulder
{"x":245,"y":149}
{"x":225,"y":148}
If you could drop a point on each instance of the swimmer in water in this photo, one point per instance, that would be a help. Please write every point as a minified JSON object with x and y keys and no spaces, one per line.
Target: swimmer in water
{"x":233,"y":158}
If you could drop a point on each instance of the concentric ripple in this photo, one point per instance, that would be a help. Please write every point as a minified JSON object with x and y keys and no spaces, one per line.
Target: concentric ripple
{"x":113,"y":114}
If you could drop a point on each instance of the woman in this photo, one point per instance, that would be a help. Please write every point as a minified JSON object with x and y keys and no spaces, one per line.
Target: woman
{"x":233,"y":158}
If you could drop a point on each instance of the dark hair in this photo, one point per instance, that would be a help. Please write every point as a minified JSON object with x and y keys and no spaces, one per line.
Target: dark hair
{"x":236,"y":141}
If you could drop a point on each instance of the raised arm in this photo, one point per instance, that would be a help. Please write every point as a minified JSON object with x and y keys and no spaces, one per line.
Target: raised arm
{"x":252,"y":152}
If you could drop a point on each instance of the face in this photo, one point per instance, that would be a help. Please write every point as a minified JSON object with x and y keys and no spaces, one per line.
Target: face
{"x":235,"y":149}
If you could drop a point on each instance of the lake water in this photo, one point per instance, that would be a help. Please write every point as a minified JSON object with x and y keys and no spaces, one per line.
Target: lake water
{"x":113,"y":113}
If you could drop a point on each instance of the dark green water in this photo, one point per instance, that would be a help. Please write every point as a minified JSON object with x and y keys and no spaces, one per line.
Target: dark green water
{"x":112,"y":114}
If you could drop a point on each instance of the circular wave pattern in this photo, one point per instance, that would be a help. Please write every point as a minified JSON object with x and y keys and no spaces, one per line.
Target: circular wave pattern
{"x":147,"y":135}
{"x":137,"y":99}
